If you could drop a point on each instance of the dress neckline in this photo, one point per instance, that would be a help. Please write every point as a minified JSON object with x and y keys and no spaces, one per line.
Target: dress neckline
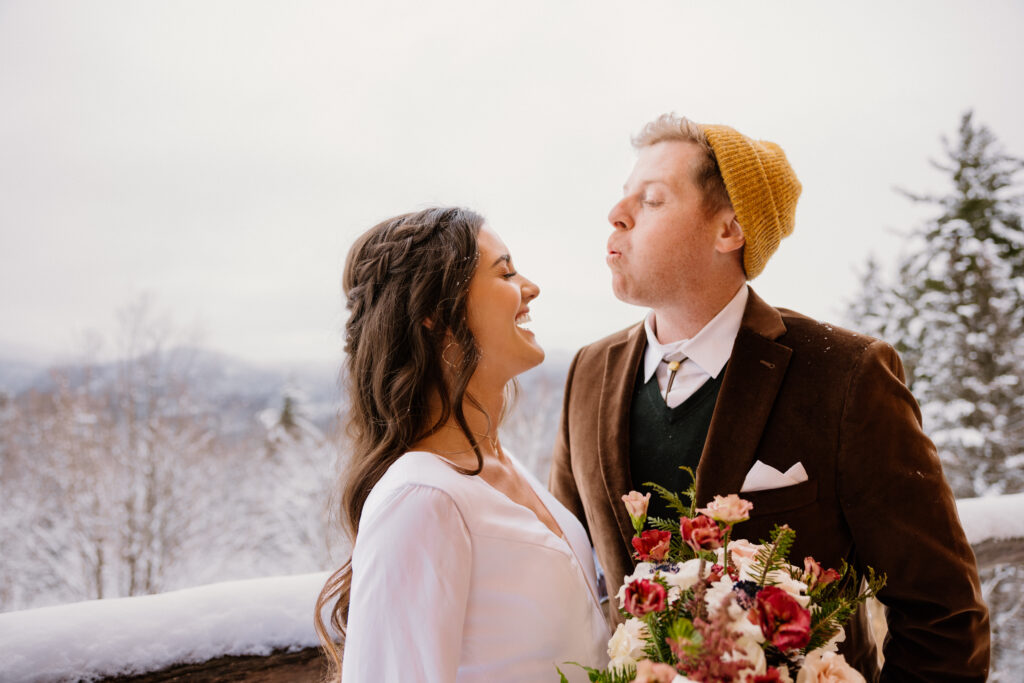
{"x":522,"y":475}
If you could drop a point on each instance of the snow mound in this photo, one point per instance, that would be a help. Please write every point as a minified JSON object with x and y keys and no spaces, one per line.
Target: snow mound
{"x":98,"y":638}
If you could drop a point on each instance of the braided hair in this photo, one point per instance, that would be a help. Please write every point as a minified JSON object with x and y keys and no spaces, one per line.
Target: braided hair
{"x":406,"y":281}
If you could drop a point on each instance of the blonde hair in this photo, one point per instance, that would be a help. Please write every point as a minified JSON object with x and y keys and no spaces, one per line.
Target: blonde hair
{"x":706,"y":174}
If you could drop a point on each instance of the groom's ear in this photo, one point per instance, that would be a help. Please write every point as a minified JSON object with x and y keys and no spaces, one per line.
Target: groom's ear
{"x":728,"y":232}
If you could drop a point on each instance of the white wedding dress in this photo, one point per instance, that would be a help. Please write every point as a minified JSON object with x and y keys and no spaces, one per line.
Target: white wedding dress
{"x":453,"y":581}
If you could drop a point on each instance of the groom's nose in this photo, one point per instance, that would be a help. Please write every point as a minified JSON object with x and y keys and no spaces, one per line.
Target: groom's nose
{"x":620,"y":217}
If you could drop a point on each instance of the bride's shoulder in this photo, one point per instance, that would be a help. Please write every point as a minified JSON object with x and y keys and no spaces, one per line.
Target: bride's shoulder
{"x":421,"y":467}
{"x":417,"y":469}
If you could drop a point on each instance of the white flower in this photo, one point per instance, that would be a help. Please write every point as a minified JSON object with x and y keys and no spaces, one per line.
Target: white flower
{"x":743,"y":627}
{"x":681,"y":580}
{"x":751,"y":652}
{"x":717,"y":593}
{"x":827,"y":667}
{"x":626,"y":645}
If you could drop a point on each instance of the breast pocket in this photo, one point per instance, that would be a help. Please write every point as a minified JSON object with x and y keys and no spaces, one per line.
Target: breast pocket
{"x":785,"y":499}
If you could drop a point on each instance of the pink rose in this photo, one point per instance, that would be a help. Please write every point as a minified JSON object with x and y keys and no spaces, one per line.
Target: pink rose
{"x":651,"y":672}
{"x":742,"y":550}
{"x":728,"y":509}
{"x":817,"y":577}
{"x":636,"y":506}
{"x":784,"y":623}
{"x":652,"y":545}
{"x":700,"y":533}
{"x":827,"y":667}
{"x":644,"y":597}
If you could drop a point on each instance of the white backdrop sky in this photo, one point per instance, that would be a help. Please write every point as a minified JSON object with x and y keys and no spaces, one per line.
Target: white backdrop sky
{"x":221,"y":156}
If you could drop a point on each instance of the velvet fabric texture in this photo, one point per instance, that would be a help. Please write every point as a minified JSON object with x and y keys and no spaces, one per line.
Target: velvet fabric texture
{"x":797,"y":390}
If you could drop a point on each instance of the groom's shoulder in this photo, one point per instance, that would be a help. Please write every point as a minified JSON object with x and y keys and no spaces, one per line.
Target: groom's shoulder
{"x":806,"y":334}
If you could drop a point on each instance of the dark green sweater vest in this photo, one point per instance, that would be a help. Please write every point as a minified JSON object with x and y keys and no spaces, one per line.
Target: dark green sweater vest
{"x":661,"y":439}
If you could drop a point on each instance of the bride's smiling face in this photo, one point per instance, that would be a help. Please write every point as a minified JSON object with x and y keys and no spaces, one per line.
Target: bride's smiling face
{"x":497,"y":311}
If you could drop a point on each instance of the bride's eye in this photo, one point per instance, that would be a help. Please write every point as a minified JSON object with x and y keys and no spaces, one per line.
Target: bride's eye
{"x":509,"y":275}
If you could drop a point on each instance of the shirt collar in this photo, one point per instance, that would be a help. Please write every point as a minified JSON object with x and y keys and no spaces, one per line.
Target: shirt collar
{"x":709,"y":349}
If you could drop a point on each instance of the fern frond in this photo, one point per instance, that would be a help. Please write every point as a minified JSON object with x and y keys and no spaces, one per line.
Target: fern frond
{"x":671,"y":499}
{"x":773,"y":555}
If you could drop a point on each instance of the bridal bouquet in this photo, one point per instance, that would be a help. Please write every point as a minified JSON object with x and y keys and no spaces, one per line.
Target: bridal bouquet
{"x":701,"y":607}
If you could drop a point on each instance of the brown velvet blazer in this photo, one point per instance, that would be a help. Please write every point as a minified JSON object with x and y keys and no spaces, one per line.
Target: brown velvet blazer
{"x":797,"y":390}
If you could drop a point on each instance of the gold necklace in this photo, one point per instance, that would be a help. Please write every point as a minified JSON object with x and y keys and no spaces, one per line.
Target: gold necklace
{"x":495,"y":446}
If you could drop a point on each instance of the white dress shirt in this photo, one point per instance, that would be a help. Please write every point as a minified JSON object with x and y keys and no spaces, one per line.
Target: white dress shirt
{"x":453,"y":581}
{"x":706,"y":352}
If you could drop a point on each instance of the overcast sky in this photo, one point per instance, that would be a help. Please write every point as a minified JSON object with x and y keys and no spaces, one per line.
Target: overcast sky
{"x":221,"y":156}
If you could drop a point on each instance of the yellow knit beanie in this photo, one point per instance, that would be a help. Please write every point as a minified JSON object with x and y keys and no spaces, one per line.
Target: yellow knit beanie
{"x":763,"y":189}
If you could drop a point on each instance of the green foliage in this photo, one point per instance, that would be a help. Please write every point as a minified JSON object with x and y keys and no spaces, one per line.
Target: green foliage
{"x":837,"y":606}
{"x":773,"y":555}
{"x":623,"y":675}
{"x":671,"y":499}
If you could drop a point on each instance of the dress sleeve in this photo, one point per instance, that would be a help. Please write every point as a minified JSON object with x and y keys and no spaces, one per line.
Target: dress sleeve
{"x":411,"y":568}
{"x":904,"y":522}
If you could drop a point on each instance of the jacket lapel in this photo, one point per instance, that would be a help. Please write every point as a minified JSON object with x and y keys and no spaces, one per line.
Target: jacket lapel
{"x":622,"y":362}
{"x":752,"y":380}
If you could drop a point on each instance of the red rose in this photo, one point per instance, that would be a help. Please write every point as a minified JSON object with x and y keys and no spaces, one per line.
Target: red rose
{"x":784,"y":623}
{"x":644,"y":597}
{"x":652,"y":545}
{"x":700,"y":533}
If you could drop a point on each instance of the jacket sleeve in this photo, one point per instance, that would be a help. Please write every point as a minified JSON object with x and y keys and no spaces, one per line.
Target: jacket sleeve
{"x":561,"y":481}
{"x":904,"y":522}
{"x":411,"y":568}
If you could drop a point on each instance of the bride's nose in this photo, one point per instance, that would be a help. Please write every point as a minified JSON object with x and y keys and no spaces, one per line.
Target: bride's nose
{"x":530,"y":290}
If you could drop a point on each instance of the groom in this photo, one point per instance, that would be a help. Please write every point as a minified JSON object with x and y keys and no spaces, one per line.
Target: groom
{"x":811,"y":423}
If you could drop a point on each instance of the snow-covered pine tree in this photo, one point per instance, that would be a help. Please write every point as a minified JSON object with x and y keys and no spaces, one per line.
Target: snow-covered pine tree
{"x":954,"y":311}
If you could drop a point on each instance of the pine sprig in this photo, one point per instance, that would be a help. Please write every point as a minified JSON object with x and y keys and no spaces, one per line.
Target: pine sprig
{"x":772,"y":555}
{"x":836,"y":606}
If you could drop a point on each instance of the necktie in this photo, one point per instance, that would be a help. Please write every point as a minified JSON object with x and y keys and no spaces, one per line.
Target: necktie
{"x":673,"y":368}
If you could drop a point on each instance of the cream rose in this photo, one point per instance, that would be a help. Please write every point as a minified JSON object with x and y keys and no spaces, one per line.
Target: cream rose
{"x":827,"y":667}
{"x":626,"y":645}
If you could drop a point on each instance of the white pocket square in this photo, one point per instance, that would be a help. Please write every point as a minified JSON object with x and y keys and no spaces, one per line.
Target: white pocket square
{"x":762,"y":477}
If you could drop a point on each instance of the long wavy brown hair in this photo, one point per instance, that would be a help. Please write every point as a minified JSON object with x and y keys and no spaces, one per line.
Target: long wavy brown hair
{"x":406,"y":281}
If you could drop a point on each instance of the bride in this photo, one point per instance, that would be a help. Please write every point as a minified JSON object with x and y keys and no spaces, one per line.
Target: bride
{"x":464,"y":567}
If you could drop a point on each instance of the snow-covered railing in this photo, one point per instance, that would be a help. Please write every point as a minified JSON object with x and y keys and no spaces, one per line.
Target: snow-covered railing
{"x":195,"y":631}
{"x":995,"y":528}
{"x":262,"y":629}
